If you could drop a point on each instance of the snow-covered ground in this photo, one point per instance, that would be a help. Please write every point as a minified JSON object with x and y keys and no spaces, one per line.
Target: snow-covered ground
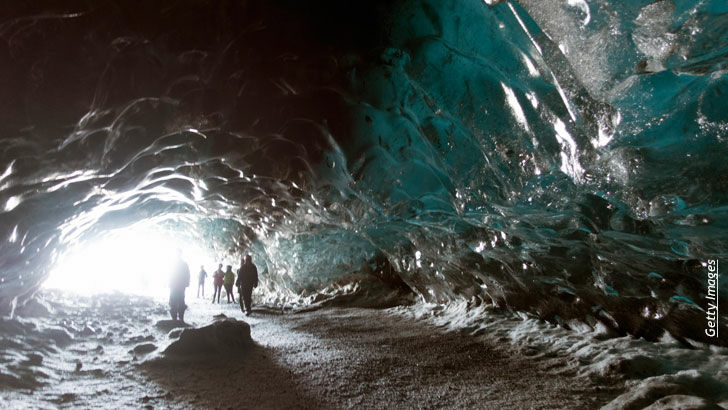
{"x":666,"y":374}
{"x":105,"y":351}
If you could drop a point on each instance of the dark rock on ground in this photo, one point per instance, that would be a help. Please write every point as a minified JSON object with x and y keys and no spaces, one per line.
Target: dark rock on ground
{"x":174,"y":333}
{"x":60,"y":336}
{"x":167,"y":325}
{"x":220,"y":337}
{"x":144,"y":348}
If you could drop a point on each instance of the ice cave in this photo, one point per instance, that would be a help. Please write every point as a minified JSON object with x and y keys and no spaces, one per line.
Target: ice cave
{"x":449,"y":203}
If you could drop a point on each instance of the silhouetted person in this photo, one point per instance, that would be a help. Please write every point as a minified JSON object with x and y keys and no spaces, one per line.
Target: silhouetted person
{"x":201,"y":281}
{"x":228,"y":281}
{"x":178,"y":282}
{"x":217,"y":283}
{"x":247,"y":280}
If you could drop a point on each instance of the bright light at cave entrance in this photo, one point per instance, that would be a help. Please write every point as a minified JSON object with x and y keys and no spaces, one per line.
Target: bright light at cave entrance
{"x":136,"y":262}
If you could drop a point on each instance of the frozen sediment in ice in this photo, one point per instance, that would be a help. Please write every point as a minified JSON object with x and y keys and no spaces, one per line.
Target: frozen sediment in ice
{"x":221,"y":337}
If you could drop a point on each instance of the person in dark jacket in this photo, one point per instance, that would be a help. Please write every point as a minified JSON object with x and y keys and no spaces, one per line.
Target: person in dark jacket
{"x":178,"y":282}
{"x":217,"y":281}
{"x":247,"y":280}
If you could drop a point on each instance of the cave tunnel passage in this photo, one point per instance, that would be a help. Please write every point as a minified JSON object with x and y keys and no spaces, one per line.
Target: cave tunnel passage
{"x":134,"y":261}
{"x":464,"y":151}
{"x":547,"y":175}
{"x":207,"y":120}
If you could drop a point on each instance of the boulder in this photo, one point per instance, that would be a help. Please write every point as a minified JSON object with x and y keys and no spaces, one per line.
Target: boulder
{"x":223,"y":337}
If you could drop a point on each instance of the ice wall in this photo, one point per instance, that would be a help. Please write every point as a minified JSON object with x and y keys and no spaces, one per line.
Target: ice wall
{"x":558,"y":157}
{"x":561,"y":170}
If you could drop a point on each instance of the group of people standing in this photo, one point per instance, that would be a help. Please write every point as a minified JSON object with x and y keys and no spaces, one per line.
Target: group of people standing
{"x":219,"y":278}
{"x":247,"y":280}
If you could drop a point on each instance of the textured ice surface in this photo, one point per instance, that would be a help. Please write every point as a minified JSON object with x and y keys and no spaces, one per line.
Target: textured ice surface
{"x":565,"y":158}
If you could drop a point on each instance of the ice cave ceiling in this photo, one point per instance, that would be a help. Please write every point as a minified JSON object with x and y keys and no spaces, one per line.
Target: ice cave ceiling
{"x":565,"y":158}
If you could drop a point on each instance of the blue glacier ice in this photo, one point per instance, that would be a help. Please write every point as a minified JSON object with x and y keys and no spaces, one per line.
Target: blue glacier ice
{"x":566,"y":158}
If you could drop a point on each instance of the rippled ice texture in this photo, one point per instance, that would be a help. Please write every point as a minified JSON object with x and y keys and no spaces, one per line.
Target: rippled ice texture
{"x":561,"y":157}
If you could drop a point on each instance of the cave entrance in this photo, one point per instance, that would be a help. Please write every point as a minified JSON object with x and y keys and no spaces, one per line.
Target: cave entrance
{"x":133,"y":261}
